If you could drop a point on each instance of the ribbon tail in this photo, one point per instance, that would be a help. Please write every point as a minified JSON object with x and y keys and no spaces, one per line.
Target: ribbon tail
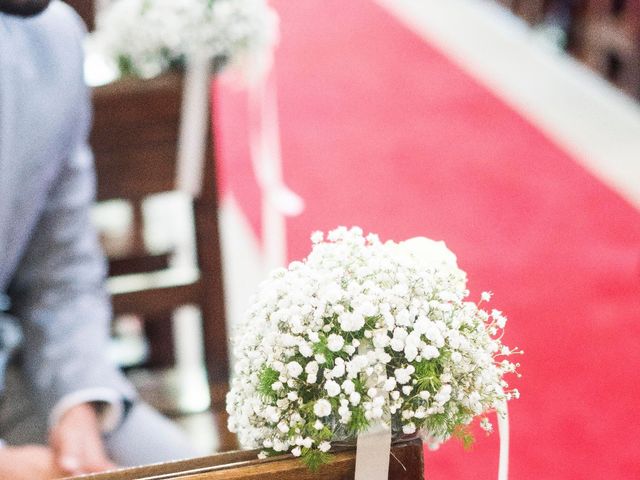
{"x":278,"y":201}
{"x":265,"y":148}
{"x":503,"y":433}
{"x":193,"y":126}
{"x":373,"y":450}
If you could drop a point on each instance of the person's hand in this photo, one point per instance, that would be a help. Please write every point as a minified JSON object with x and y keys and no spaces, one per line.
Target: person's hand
{"x":77,"y":444}
{"x":30,"y":462}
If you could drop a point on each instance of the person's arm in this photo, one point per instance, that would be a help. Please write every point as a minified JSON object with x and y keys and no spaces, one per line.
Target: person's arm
{"x":58,"y":291}
{"x":29,"y":462}
{"x":59,"y":296}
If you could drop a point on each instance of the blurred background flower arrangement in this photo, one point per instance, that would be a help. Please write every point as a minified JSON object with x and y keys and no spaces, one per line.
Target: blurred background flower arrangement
{"x":145,"y":38}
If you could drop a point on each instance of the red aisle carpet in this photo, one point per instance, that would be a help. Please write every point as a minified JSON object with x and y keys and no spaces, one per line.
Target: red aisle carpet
{"x":381,"y":130}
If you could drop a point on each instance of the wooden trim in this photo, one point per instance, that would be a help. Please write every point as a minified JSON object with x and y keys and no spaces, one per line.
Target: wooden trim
{"x":406,"y":463}
{"x":156,"y":300}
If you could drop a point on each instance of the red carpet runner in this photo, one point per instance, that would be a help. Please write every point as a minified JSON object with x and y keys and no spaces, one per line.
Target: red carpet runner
{"x":381,"y":130}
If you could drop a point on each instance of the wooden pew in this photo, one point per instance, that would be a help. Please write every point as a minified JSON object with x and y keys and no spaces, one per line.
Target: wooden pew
{"x":406,"y":463}
{"x":135,"y":145}
{"x":608,"y":41}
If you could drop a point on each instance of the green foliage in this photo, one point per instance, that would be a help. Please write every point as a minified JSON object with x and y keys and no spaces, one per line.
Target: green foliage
{"x":437,"y":425}
{"x":266,"y":378}
{"x":314,"y":459}
{"x":371,"y":322}
{"x":358,"y":422}
{"x":428,"y":375}
{"x":445,"y":425}
{"x":463,"y":433}
{"x":322,"y":347}
{"x":125,"y":65}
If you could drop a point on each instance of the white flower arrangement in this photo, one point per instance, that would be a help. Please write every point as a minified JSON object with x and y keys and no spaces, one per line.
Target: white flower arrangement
{"x":146,"y":37}
{"x":364,"y":332}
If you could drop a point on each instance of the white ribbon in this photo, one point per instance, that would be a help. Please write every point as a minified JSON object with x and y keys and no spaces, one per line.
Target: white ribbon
{"x":373,"y":450}
{"x":503,"y":434}
{"x":194,"y":122}
{"x":278,"y":200}
{"x":373,"y":447}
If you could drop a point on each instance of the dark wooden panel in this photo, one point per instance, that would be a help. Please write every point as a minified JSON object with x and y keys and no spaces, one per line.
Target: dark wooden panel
{"x":144,"y":171}
{"x":135,"y":136}
{"x":86,"y":9}
{"x":607,"y":39}
{"x":156,"y":300}
{"x":137,"y":263}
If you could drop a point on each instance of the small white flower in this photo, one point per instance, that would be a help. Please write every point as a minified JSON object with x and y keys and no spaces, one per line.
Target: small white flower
{"x":296,"y":452}
{"x":283,"y":427}
{"x":354,"y":398}
{"x":311,"y":368}
{"x":500,"y":319}
{"x":485,"y":424}
{"x":335,"y":342}
{"x":351,"y":322}
{"x":402,"y":375}
{"x":409,"y":428}
{"x":294,"y":369}
{"x":339,"y":370}
{"x":389,"y":384}
{"x":305,"y":350}
{"x":380,"y":340}
{"x":349,"y":349}
{"x":397,"y":344}
{"x":324,"y":446}
{"x":430,"y":351}
{"x":332,"y":388}
{"x":348,"y":387}
{"x":443,"y":395}
{"x":485,"y":296}
{"x":322,"y":408}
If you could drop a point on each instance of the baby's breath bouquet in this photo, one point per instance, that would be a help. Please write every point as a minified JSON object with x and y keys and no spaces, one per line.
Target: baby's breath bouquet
{"x":360,"y":333}
{"x":146,"y":37}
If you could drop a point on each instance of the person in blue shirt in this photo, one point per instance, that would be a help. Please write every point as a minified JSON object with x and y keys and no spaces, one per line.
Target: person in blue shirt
{"x":52,"y":272}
